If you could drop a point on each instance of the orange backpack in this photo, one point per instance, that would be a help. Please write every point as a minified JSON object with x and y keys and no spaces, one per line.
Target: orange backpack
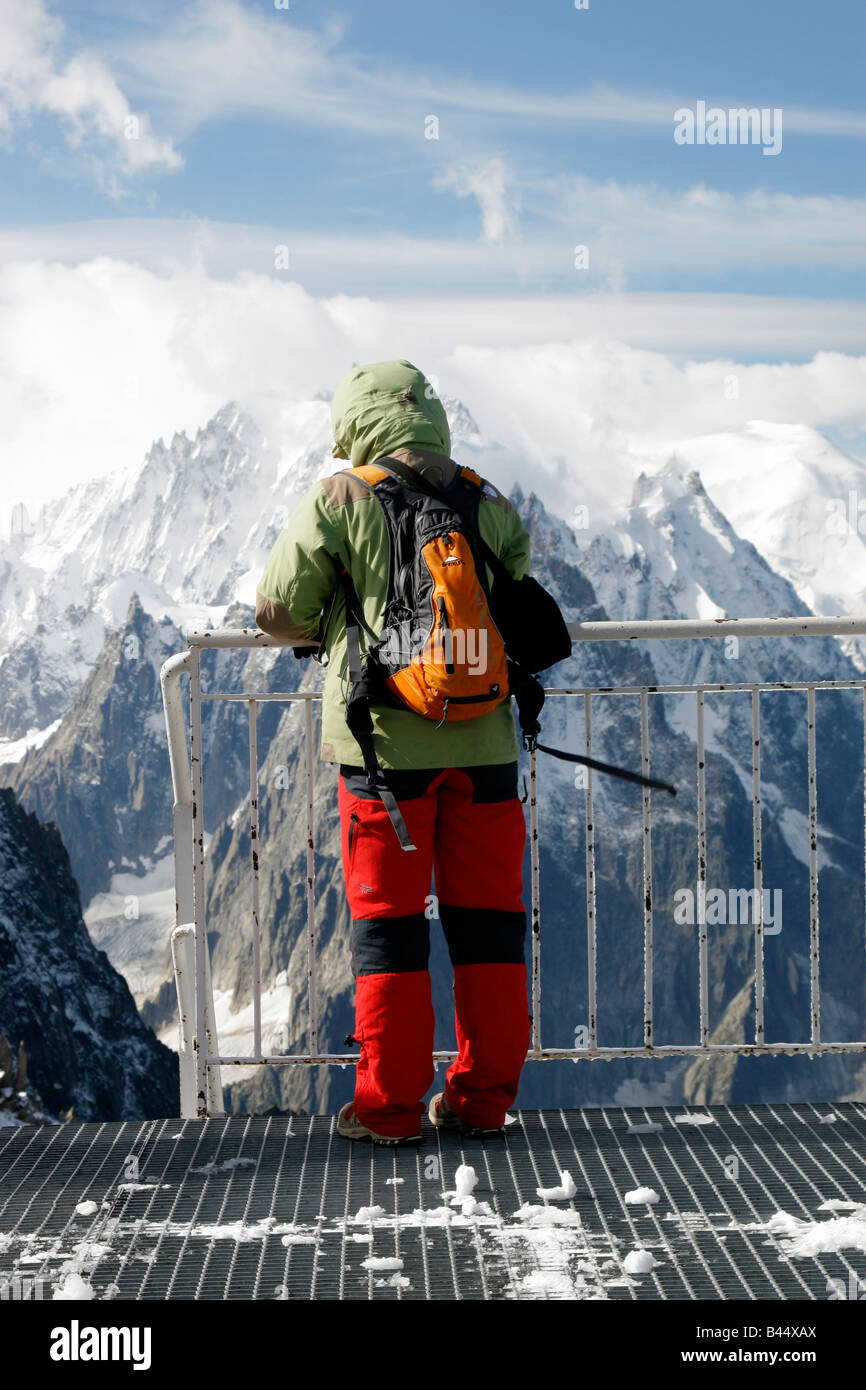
{"x":439,"y":652}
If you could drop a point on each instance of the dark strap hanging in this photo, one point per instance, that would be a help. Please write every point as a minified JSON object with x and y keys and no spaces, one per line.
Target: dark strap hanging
{"x":621,"y":772}
{"x":358,"y":716}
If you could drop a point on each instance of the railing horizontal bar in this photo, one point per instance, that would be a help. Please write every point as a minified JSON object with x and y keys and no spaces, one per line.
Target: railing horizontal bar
{"x":350,"y":1058}
{"x":572,"y":1053}
{"x":676,"y":628}
{"x":269,"y":695}
{"x":671,"y":629}
{"x":727,"y":689}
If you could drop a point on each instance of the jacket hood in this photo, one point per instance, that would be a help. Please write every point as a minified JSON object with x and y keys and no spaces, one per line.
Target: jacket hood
{"x":385,"y":406}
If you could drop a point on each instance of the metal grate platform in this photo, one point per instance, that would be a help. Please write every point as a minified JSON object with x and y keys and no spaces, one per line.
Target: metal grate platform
{"x":270,"y":1208}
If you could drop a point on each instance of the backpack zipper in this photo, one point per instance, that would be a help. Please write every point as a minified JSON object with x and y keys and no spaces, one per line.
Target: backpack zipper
{"x":465,"y":700}
{"x":443,"y":618}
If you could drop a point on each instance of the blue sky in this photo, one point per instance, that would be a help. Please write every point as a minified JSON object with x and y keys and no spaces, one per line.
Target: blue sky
{"x":220,"y":199}
{"x":310,"y":121}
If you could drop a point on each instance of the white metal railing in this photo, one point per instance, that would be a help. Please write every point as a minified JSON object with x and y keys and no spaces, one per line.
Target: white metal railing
{"x":201,"y":1090}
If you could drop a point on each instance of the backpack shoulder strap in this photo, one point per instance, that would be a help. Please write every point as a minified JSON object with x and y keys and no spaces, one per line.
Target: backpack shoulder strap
{"x":368,"y":473}
{"x":358,"y":717}
{"x":422,"y":484}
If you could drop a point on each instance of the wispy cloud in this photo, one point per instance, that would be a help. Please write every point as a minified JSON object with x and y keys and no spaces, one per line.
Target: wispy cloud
{"x":36,"y":78}
{"x":267,"y":64}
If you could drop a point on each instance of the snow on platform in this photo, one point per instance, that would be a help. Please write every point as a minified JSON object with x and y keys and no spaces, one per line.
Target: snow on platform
{"x":744,"y":1202}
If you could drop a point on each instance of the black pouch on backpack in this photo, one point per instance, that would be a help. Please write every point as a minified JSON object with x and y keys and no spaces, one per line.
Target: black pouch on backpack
{"x":528,"y":617}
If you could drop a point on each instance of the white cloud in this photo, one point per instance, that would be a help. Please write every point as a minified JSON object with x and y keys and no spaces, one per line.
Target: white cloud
{"x":580,"y":411}
{"x":487,"y":180}
{"x":81,"y":92}
{"x":99,"y":359}
{"x":631,"y":230}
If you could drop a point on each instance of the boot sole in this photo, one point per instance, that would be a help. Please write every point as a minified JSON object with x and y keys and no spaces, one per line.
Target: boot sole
{"x":364,"y":1136}
{"x":458,"y":1126}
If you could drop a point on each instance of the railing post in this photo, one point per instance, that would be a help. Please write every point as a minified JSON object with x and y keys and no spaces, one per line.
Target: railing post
{"x":311,"y":882}
{"x":647,"y":877}
{"x":814,"y":936}
{"x":758,"y":854}
{"x":183,"y":960}
{"x":254,"y":865}
{"x":172,"y":703}
{"x":591,"y":968}
{"x":535,"y":901}
{"x":195,"y":742}
{"x":703,"y":961}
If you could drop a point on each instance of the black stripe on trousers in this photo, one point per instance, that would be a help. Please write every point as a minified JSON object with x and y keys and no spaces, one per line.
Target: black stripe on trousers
{"x":491,"y":782}
{"x":483,"y":935}
{"x":391,"y":945}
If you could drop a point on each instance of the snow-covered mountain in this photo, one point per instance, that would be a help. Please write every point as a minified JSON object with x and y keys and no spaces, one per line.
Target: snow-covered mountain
{"x":794,"y":494}
{"x":116,"y":570}
{"x":187,"y":532}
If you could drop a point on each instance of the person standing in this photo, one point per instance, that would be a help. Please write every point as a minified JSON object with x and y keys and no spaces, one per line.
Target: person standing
{"x":443,"y":803}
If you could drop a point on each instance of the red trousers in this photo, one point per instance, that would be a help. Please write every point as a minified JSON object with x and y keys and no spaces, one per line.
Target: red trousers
{"x":469,"y":830}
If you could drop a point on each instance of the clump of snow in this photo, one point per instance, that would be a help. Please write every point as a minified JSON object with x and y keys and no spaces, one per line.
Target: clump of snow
{"x":382,"y":1262}
{"x":546,"y":1282}
{"x":392,"y":1182}
{"x":397,"y":1281}
{"x":802,"y":1239}
{"x":465,"y":1183}
{"x":298,"y":1238}
{"x":225,"y":1166}
{"x":546,"y":1216}
{"x":699,"y":1119}
{"x":828,"y":1119}
{"x":229,"y":1230}
{"x":641,"y":1196}
{"x":363,"y":1239}
{"x":638,"y":1262}
{"x":563,"y":1193}
{"x":86,"y":1209}
{"x":141,"y":1186}
{"x":74,"y":1289}
{"x":651,"y":1128}
{"x":368,"y":1214}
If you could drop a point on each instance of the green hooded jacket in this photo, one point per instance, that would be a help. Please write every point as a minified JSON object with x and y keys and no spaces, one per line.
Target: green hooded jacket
{"x":385,"y":408}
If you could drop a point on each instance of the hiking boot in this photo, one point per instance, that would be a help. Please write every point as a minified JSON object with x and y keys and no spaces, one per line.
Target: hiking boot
{"x":350,"y":1127}
{"x":442,"y":1116}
